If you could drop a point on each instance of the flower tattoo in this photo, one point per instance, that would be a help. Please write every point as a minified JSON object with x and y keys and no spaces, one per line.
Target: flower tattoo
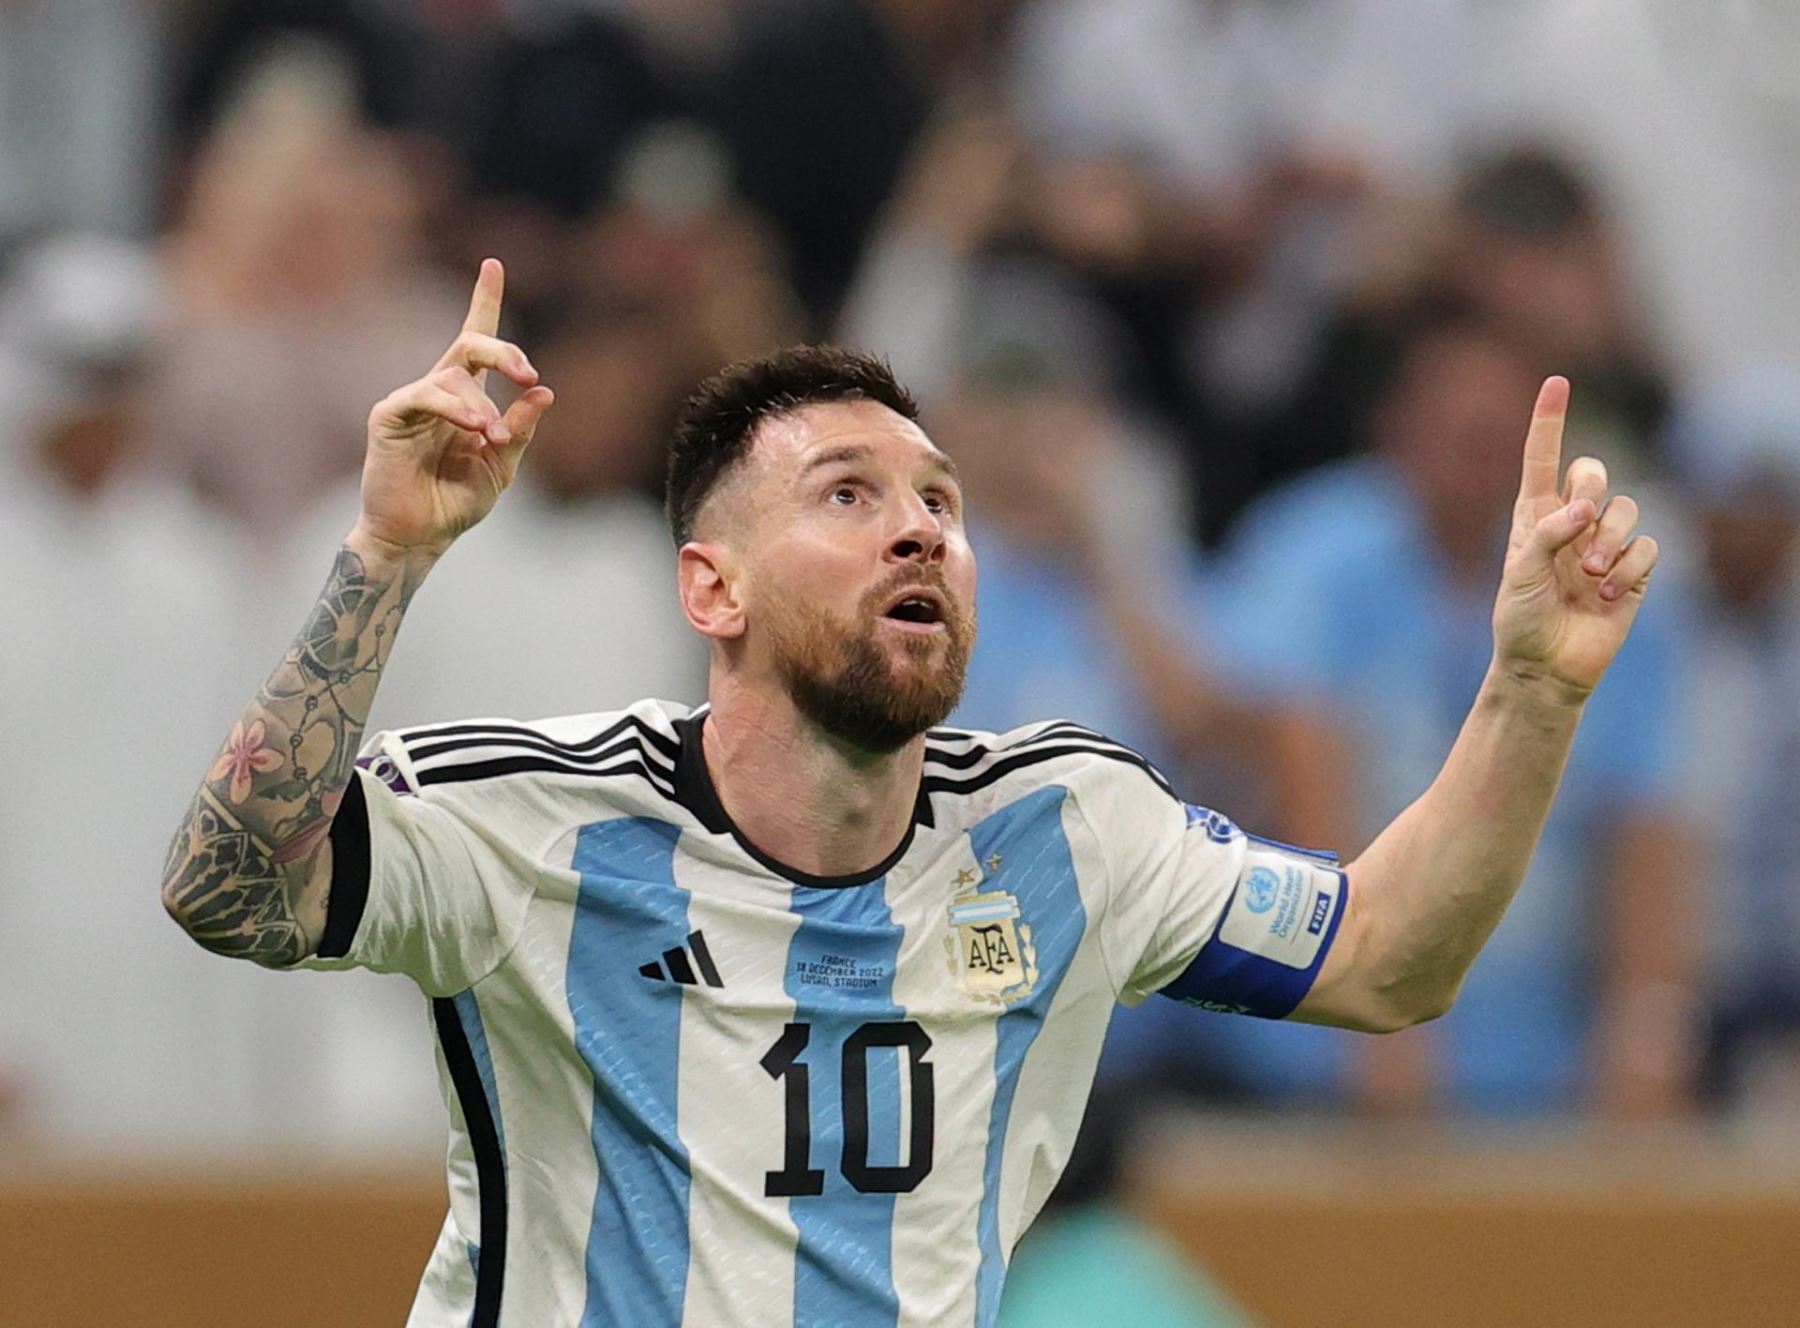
{"x":244,"y":753}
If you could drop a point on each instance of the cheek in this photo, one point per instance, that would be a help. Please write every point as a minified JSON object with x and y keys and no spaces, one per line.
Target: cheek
{"x":960,"y":571}
{"x":816,"y":571}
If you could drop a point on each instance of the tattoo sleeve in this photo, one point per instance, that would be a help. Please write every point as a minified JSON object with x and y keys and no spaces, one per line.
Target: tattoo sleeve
{"x":241,"y":876}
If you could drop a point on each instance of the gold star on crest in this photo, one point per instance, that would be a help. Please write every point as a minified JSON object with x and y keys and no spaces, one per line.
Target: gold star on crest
{"x":993,"y":863}
{"x":965,"y":876}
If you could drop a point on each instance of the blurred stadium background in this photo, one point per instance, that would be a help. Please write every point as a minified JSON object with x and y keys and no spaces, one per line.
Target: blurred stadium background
{"x":1232,"y":311}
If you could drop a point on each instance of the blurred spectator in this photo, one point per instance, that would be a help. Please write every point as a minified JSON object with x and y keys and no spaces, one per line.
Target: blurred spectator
{"x":1736,"y":449}
{"x":1690,"y":119}
{"x":1208,"y":93}
{"x":124,"y":614}
{"x":76,"y":314}
{"x":1205,"y":164}
{"x":821,"y":103}
{"x":297,"y":295}
{"x":957,"y":194}
{"x":1531,"y":253}
{"x":1520,"y":244}
{"x":1370,"y":585}
{"x":677,"y":247}
{"x":567,"y":97}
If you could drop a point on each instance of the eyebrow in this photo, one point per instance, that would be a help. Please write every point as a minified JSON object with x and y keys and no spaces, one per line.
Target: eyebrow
{"x":863,"y":452}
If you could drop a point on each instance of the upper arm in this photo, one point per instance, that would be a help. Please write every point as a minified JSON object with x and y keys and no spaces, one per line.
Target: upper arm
{"x":416,"y":885}
{"x":1204,"y":913}
{"x":1340,"y":996}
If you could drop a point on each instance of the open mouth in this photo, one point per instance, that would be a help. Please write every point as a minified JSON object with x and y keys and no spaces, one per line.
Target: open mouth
{"x":919,"y":609}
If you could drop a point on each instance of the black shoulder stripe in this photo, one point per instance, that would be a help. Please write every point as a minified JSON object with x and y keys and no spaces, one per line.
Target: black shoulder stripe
{"x":490,"y":1163}
{"x":958,"y":760}
{"x":1063,"y":728}
{"x":628,"y":745}
{"x":1063,"y":732}
{"x":654,"y":736}
{"x":1006,"y":765}
{"x":518,"y":765}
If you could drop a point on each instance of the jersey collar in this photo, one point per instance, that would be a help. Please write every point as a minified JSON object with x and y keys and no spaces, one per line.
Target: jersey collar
{"x":694,"y":790}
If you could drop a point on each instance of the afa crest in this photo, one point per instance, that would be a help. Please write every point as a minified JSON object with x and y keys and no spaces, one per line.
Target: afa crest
{"x":991,"y":953}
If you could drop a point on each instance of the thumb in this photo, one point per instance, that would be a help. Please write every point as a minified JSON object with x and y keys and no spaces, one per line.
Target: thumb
{"x":1559,"y":529}
{"x":521,"y":419}
{"x":523,"y":415}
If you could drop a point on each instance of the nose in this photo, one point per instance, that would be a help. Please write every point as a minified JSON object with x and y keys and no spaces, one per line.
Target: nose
{"x":920,"y":537}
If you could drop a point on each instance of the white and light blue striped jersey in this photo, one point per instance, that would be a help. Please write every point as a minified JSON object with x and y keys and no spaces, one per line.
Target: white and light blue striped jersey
{"x":691,"y":1086}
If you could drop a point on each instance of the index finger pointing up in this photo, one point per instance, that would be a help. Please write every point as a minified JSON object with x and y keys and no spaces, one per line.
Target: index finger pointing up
{"x":1543,"y":441}
{"x":484,"y":303}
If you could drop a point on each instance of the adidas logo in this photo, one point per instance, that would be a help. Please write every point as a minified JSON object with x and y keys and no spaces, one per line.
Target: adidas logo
{"x":683,"y":961}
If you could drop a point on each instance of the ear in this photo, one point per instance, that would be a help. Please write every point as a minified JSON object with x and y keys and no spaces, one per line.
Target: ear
{"x":709,"y":584}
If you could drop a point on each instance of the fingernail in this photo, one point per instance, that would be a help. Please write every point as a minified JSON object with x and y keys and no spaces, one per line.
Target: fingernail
{"x":1594,"y":563}
{"x":499,"y":433}
{"x":1609,"y":590}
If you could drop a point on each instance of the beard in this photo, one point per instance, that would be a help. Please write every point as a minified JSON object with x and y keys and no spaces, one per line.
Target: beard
{"x":848,"y":683}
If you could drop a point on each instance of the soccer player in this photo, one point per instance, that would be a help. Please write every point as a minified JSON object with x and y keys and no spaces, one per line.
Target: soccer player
{"x":784,"y":1008}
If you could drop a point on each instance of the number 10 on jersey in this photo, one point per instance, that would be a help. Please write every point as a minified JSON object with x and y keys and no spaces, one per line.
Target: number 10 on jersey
{"x":782,"y":1062}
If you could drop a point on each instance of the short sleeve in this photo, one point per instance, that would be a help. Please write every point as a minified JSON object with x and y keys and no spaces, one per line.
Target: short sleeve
{"x":1203,"y":912}
{"x":418,"y":886}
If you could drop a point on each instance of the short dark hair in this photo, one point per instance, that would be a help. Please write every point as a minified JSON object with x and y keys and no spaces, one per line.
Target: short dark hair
{"x":718,"y":422}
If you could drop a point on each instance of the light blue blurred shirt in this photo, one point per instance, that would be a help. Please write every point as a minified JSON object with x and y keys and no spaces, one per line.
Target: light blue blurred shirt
{"x":1103,"y":1266}
{"x":1044,"y":652}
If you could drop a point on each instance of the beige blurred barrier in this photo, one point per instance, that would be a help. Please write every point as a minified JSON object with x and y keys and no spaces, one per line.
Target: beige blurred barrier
{"x":206,"y":1250}
{"x":1418,"y":1227}
{"x":1308,"y":1226}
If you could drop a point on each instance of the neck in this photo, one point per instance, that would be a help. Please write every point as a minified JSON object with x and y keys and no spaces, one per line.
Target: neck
{"x":798,"y":794}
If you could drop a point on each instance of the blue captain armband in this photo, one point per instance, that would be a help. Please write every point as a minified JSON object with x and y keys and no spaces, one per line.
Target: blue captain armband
{"x":1273,"y":937}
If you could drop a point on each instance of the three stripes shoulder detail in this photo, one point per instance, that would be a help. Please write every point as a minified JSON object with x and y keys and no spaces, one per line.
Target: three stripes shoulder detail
{"x":457,"y":753}
{"x":974,"y":761}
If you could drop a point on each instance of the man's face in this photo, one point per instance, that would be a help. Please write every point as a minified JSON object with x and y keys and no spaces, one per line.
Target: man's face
{"x":1453,"y":422}
{"x":857,"y":578}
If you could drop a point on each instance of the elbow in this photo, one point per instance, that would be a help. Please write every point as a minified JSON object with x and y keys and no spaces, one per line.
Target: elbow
{"x":185,"y":885}
{"x":1404,"y":1005}
{"x":176,"y":906}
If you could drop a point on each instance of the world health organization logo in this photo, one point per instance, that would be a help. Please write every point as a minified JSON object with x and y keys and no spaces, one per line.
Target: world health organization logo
{"x":1259,"y":890}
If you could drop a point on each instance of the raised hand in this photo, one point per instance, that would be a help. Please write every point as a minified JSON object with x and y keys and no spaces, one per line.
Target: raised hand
{"x":440,"y":451}
{"x":1574,"y":576}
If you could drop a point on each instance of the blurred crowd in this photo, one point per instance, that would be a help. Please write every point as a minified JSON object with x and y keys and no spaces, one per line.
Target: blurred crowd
{"x":1232,"y":312}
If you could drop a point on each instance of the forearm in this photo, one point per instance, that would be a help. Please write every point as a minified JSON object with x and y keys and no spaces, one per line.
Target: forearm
{"x":247,"y":872}
{"x":1432,"y":886}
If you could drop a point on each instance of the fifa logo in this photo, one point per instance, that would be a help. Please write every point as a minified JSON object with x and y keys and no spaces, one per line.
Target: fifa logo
{"x":991,"y":954}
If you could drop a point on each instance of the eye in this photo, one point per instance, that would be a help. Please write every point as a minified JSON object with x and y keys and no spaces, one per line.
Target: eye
{"x":940,"y":501}
{"x":843,"y":494}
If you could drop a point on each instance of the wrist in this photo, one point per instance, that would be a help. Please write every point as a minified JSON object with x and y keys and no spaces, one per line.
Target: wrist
{"x":379,"y":554}
{"x":1528,"y":685}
